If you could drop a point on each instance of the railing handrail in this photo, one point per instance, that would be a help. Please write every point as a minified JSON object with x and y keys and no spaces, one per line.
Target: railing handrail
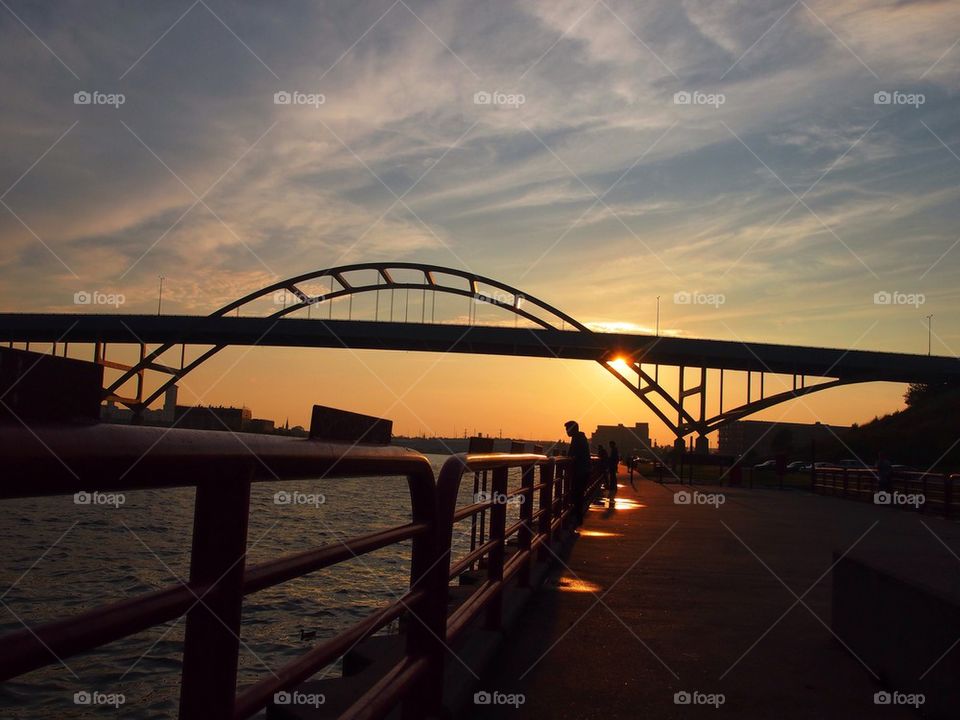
{"x":489,"y":461}
{"x":925,"y":491}
{"x":64,"y":459}
{"x":874,"y":472}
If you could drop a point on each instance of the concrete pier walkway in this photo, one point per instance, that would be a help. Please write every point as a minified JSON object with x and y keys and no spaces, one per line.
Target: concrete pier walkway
{"x":658,"y":598}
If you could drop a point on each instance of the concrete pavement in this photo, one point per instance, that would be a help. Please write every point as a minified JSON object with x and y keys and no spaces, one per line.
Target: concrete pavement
{"x":658,"y":598}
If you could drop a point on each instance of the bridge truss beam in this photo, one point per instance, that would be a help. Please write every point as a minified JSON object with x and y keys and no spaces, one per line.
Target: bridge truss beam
{"x":698,"y":421}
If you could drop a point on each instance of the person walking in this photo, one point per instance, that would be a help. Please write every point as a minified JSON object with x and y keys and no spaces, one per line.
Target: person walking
{"x":580,"y":454}
{"x":614,"y":467}
{"x":603,"y":460}
{"x":603,"y":463}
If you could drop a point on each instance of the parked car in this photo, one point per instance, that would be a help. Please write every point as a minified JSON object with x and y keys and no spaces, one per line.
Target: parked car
{"x":903,"y":468}
{"x":820,"y":466}
{"x":768,"y":465}
{"x":851,"y":464}
{"x":797,"y":466}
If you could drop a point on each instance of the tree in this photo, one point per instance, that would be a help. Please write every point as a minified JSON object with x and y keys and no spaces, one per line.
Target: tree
{"x":920,"y":393}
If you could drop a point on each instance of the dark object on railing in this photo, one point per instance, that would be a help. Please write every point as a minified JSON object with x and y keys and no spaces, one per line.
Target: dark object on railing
{"x":327,"y":423}
{"x":36,"y":387}
{"x":480,"y":445}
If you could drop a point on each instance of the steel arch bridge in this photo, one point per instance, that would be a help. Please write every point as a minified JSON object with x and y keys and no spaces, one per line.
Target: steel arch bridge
{"x":635,"y":360}
{"x":430,"y":277}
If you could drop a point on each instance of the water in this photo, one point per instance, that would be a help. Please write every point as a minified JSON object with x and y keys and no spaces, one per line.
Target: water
{"x":61,"y":558}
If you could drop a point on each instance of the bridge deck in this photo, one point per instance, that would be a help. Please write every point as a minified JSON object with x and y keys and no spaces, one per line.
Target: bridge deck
{"x":696,"y":598}
{"x":853,"y":365}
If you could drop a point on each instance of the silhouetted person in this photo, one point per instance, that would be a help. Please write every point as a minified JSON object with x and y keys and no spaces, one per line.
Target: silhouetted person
{"x":884,"y":471}
{"x":614,"y":464}
{"x":603,"y":460}
{"x":580,"y":454}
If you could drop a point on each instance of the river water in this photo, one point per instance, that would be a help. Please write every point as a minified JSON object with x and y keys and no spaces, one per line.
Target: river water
{"x":61,"y":558}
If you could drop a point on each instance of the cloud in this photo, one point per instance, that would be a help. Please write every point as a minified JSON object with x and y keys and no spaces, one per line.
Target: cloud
{"x":687,"y":191}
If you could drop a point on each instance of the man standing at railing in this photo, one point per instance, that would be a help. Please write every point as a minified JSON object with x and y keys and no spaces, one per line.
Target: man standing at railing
{"x":580,"y":454}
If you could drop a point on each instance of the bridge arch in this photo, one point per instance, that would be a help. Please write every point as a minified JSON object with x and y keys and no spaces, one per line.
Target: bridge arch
{"x":430,"y":278}
{"x":344,"y":282}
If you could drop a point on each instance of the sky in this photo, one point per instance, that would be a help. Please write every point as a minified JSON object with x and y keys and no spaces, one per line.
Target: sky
{"x":783,"y":167}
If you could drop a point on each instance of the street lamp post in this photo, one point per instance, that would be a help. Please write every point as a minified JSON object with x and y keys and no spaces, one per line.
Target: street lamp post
{"x":658,"y":316}
{"x":160,"y":297}
{"x":929,"y":333}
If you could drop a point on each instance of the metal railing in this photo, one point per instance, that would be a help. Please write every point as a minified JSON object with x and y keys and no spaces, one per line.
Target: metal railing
{"x":221,"y":467}
{"x":935,"y":489}
{"x":545,"y":482}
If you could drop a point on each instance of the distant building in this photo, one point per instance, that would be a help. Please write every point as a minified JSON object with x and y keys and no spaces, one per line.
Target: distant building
{"x":260,"y":425}
{"x":113,"y":413}
{"x":629,"y":440}
{"x":169,"y":412}
{"x":212,"y":418}
{"x":198,"y":417}
{"x":763,"y":439}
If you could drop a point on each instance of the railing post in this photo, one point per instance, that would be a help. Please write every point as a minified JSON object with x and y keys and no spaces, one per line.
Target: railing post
{"x":484,"y":533}
{"x":546,"y":509}
{"x":525,"y":533}
{"x":560,"y":495}
{"x":473,"y":518}
{"x":212,"y":635}
{"x":498,"y":525}
{"x":947,"y":494}
{"x":427,"y":629}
